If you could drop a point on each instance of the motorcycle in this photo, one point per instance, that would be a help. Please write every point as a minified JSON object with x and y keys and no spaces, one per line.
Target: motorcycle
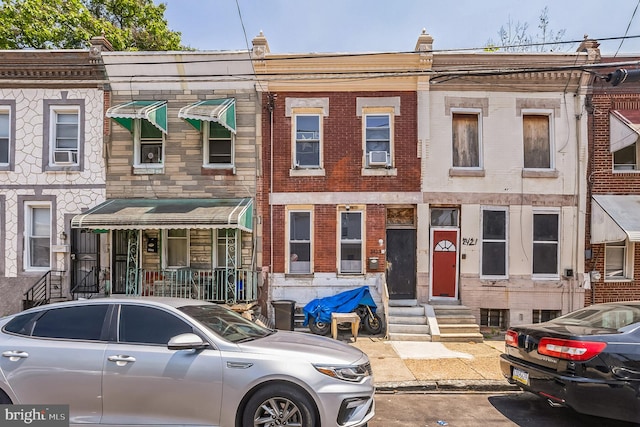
{"x":317,"y":313}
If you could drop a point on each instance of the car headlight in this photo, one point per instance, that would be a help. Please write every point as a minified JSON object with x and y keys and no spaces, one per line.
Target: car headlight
{"x":346,"y":373}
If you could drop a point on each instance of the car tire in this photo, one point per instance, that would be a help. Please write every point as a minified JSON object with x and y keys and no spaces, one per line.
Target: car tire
{"x":4,"y":399}
{"x":318,"y":327}
{"x":270,"y":404}
{"x":372,"y":324}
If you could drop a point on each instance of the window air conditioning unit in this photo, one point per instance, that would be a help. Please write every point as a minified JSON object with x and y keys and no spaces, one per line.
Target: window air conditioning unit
{"x":65,"y":157}
{"x":378,"y":158}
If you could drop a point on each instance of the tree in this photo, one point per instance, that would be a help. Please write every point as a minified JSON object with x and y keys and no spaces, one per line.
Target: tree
{"x":70,"y":24}
{"x":516,"y":38}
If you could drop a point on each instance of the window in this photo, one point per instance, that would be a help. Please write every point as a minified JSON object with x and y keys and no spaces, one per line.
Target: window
{"x":545,"y":244}
{"x":307,"y":140}
{"x":226,"y":249}
{"x":351,"y":242}
{"x":38,"y":242}
{"x":494,"y":243}
{"x":540,"y":316}
{"x":148,"y":325}
{"x":626,"y":159}
{"x":466,"y":140}
{"x":299,"y":242}
{"x":149,"y":144}
{"x":444,"y":217}
{"x":218,"y":146}
{"x":5,"y":140}
{"x":377,"y":140}
{"x":492,"y":317}
{"x":65,"y":135}
{"x":79,"y":323}
{"x":177,"y":248}
{"x":536,"y":129}
{"x":615,"y":259}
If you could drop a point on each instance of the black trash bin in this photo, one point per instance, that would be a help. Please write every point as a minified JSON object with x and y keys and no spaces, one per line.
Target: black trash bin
{"x":284,"y":310}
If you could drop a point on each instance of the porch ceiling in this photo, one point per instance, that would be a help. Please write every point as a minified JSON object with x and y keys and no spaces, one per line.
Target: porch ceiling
{"x":144,"y":214}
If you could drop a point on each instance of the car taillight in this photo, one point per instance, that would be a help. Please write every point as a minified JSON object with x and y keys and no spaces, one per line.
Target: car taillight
{"x":570,"y":349}
{"x":511,"y":338}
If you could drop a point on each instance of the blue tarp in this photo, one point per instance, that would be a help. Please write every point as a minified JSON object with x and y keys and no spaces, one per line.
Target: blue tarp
{"x":344,"y":302}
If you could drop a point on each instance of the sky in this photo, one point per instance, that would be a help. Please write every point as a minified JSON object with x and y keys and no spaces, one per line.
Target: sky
{"x":321,"y":26}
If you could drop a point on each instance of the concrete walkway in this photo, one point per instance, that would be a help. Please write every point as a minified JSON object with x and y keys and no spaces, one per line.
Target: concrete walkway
{"x":411,"y":365}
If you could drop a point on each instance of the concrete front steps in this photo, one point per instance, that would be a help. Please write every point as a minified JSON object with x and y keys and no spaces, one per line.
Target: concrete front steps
{"x":407,"y":321}
{"x":456,"y":324}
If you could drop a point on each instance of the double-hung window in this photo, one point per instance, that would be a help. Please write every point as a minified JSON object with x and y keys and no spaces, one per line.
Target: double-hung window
{"x":177,"y":248}
{"x":537,"y":131}
{"x":38,"y":233}
{"x":299,"y":242}
{"x":616,"y":264}
{"x":467,"y":141}
{"x":64,"y":135}
{"x":5,"y":136}
{"x":149,"y":142}
{"x":546,"y":242}
{"x":218,"y":146}
{"x":351,"y":242}
{"x":494,"y":242}
{"x":377,"y":140}
{"x":308,"y":138}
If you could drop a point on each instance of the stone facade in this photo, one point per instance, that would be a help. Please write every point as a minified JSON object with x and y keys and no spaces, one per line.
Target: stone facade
{"x":34,"y":87}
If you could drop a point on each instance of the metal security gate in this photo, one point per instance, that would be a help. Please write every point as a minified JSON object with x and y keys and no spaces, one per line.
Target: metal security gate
{"x":85,"y":261}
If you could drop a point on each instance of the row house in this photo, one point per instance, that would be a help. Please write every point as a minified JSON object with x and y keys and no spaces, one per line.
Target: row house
{"x":504,"y":138}
{"x":180,"y":150}
{"x":613,"y":188}
{"x":340,"y":187}
{"x":440,"y":177}
{"x":51,"y":166}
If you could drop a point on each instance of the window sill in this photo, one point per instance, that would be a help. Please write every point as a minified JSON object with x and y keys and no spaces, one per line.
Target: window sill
{"x":379,"y":172}
{"x":63,"y":168}
{"x":618,"y":280}
{"x":629,"y":171}
{"x":307,"y":172}
{"x":147,"y":170}
{"x":212,"y":170}
{"x":299,"y":275}
{"x":529,"y":173}
{"x":479,"y":173}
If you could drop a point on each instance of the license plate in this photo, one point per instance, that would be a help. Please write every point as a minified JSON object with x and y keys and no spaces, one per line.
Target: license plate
{"x":520,"y":376}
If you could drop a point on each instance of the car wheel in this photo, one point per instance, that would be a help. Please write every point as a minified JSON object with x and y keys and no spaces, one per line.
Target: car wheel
{"x":318,"y":327}
{"x":4,"y":399}
{"x":373,"y":324}
{"x":278,"y":405}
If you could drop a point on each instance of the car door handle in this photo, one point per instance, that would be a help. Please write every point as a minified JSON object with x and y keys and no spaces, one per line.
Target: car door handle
{"x":15,"y":355}
{"x":121,"y":360}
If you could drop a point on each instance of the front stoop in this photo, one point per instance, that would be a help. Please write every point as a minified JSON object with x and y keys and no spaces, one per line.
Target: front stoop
{"x":407,"y":321}
{"x":456,"y":324}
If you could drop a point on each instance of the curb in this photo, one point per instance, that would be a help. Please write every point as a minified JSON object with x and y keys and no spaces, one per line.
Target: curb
{"x":445,"y":386}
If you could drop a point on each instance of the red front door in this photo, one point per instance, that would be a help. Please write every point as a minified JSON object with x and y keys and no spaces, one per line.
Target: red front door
{"x":444,"y":263}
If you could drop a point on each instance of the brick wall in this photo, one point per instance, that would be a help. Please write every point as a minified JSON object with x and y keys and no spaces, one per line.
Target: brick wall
{"x":602,"y":180}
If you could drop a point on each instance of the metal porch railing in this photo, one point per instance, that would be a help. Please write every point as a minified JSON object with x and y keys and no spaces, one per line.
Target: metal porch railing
{"x":47,"y":288}
{"x":222,"y":285}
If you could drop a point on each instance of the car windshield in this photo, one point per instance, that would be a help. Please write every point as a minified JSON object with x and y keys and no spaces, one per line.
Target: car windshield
{"x":226,"y":323}
{"x":609,"y":316}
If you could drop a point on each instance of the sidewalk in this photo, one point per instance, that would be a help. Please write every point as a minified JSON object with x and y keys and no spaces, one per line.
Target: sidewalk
{"x":433,"y":366}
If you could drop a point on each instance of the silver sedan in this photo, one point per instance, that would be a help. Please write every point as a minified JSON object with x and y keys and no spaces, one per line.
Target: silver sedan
{"x":162,"y":361}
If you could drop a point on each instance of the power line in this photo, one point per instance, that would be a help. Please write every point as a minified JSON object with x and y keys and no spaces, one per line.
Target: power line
{"x":628,"y":26}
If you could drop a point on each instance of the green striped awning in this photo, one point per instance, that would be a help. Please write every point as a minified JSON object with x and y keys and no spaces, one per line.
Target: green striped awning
{"x":159,"y":214}
{"x":222,"y":111}
{"x":155,"y":112}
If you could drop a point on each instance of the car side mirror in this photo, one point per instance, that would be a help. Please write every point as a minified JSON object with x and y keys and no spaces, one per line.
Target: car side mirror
{"x":187,"y":341}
